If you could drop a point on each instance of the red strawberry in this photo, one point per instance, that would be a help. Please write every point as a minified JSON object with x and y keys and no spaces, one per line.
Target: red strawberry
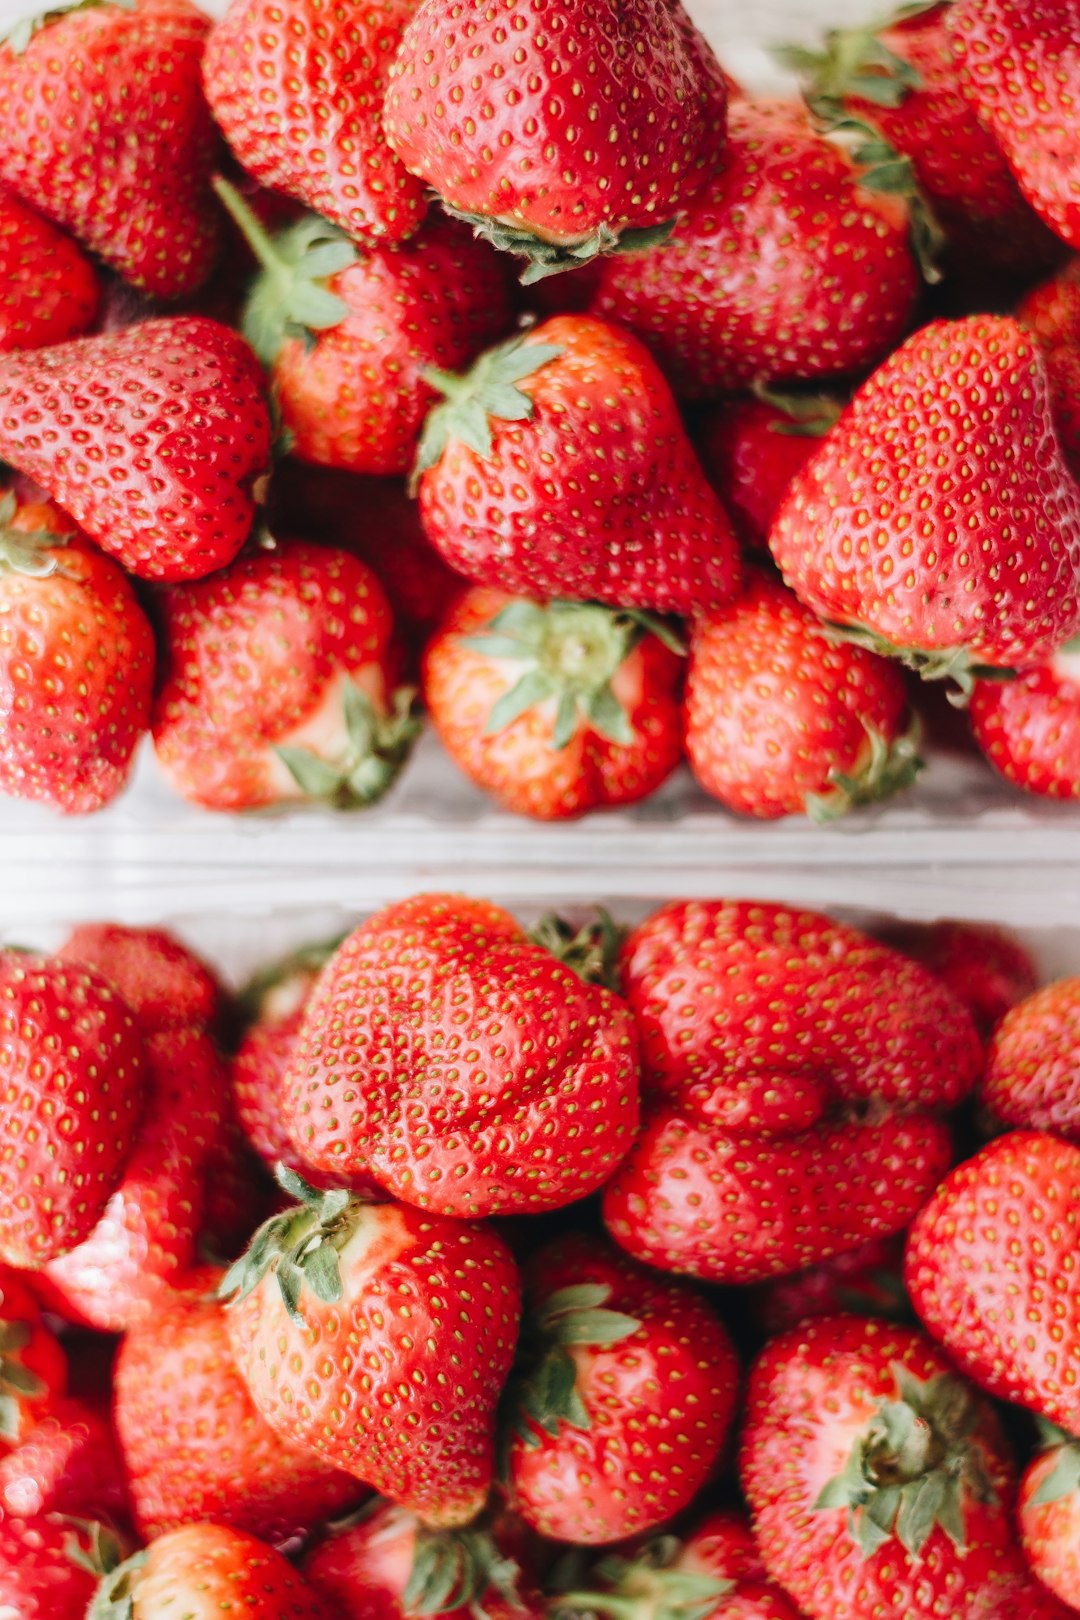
{"x":1052,"y":310}
{"x":48,"y":288}
{"x":299,"y":96}
{"x":947,"y":465}
{"x":194,"y":1445}
{"x":781,"y":721}
{"x":988,"y":1268}
{"x":76,"y":664}
{"x":237,"y":1194}
{"x":1048,"y":1513}
{"x":279,"y":683}
{"x":380,"y":1337}
{"x":594,"y":149}
{"x":202,"y":1571}
{"x":33,"y":1366}
{"x":461,"y":1066}
{"x":71,"y":1092}
{"x":555,"y":708}
{"x":49,"y":1567}
{"x":752,"y":448}
{"x":1032,"y":1074}
{"x":623,"y":1404}
{"x":68,"y":1463}
{"x":785,"y":266}
{"x":151,"y":438}
{"x":1029,"y":729}
{"x":506,"y":467}
{"x":1018,"y":63}
{"x":865,"y":1281}
{"x":986,"y":968}
{"x":166,"y":985}
{"x":108,"y":133}
{"x":879,"y":1481}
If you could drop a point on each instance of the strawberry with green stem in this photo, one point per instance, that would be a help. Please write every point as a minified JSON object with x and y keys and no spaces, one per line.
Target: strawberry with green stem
{"x":200,"y":1571}
{"x":1048,"y":1513}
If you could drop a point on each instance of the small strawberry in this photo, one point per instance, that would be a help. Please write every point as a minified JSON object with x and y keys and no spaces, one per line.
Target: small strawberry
{"x":299,"y":96}
{"x":1032,"y":1077}
{"x":68,"y":1463}
{"x":48,"y":288}
{"x":558,"y":133}
{"x":72,"y":1074}
{"x":280,"y":672}
{"x":1029,"y":729}
{"x":151,"y":437}
{"x":1052,"y":309}
{"x":200,"y":1572}
{"x":108,"y":133}
{"x":559,"y":467}
{"x":462,"y":1066}
{"x":781,"y":721}
{"x":1048,"y":1514}
{"x":50,"y":1567}
{"x":379,"y":1337}
{"x":623,"y":1402}
{"x":555,"y":708}
{"x":752,"y":448}
{"x":166,"y":985}
{"x":947,"y":467}
{"x":988,"y":1266}
{"x":986,"y":968}
{"x":786,"y":267}
{"x":865,"y":1280}
{"x":33,"y":1366}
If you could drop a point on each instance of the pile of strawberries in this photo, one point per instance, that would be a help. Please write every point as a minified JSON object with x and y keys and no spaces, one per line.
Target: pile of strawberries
{"x":504,"y":360}
{"x":722,"y":1268}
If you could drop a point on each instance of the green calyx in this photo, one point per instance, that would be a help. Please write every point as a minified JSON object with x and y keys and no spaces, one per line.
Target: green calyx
{"x":289,"y":298}
{"x":17,"y":1383}
{"x":470,"y":399}
{"x":809,"y":416}
{"x":545,"y":1393}
{"x":1064,"y":1477}
{"x":18,"y":36}
{"x":453,"y":1569}
{"x":114,"y":1599}
{"x":942,"y":664}
{"x":300,"y":1247}
{"x":30,"y":553}
{"x":378,"y":746}
{"x":649,"y":1587}
{"x":890,"y":767}
{"x":591,"y":951}
{"x":912,"y":1467}
{"x":552,"y":258}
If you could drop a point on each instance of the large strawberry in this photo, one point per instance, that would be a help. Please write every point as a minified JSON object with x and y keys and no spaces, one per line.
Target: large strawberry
{"x":299,"y":96}
{"x":76,"y":664}
{"x":785,"y":267}
{"x":752,"y":447}
{"x":988,"y":1268}
{"x":555,"y":708}
{"x":938,"y":520}
{"x":151,"y":437}
{"x":1029,"y":729}
{"x":108,"y":133}
{"x":461,"y":1065}
{"x":559,"y":467}
{"x":1048,"y":1514}
{"x":1032,"y":1074}
{"x":33,"y":1366}
{"x":379,"y":1337}
{"x":71,"y":1093}
{"x":202,"y":1571}
{"x":48,"y":288}
{"x":559,"y":133}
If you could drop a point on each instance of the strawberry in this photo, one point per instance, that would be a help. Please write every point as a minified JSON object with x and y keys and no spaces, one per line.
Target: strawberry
{"x":33,"y":1366}
{"x":48,"y":288}
{"x":986,"y":968}
{"x":574,"y":405}
{"x":555,"y":708}
{"x":1032,"y":1074}
{"x":785,"y":267}
{"x":947,"y":464}
{"x":1048,"y":1515}
{"x":202,"y":1571}
{"x":299,"y":97}
{"x":379,"y":1337}
{"x":751,"y":449}
{"x":237,"y":1194}
{"x":153,"y":439}
{"x":279,"y":683}
{"x":988,"y":1266}
{"x":108,"y":134}
{"x":76,"y":664}
{"x":166,"y":985}
{"x":1018,"y":63}
{"x":68,"y":1463}
{"x":49,"y":1567}
{"x":624,"y":1401}
{"x":594,"y":149}
{"x":1029,"y":729}
{"x":865,"y":1281}
{"x":1052,"y":309}
{"x":70,"y":1098}
{"x":194,"y":1445}
{"x":782,"y":721}
{"x":501,"y":1084}
{"x":879,"y":1480}
{"x":347,"y":337}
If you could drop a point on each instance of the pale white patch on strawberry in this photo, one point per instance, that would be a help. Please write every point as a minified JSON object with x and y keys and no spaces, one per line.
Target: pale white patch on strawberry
{"x":323,"y":731}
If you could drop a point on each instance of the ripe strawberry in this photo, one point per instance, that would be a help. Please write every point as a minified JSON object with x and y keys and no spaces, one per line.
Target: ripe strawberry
{"x":71,"y":1093}
{"x":279,"y":683}
{"x":987,"y":1268}
{"x":785,"y":267}
{"x":202,"y":1571}
{"x":752,"y":448}
{"x":33,"y":1366}
{"x":1048,"y":1515}
{"x":947,"y":464}
{"x":49,"y":1567}
{"x":879,"y":1480}
{"x":558,"y":163}
{"x":299,"y":95}
{"x":782,"y":721}
{"x":379,"y":1338}
{"x":986,"y":968}
{"x":1029,"y":729}
{"x":108,"y":133}
{"x":1052,"y":309}
{"x":68,"y":1463}
{"x":151,"y":438}
{"x":509,"y":1088}
{"x":76,"y":664}
{"x":574,"y":405}
{"x":48,"y":288}
{"x":1018,"y":63}
{"x":555,"y":708}
{"x":623,"y":1402}
{"x":1032,"y":1074}
{"x":166,"y":985}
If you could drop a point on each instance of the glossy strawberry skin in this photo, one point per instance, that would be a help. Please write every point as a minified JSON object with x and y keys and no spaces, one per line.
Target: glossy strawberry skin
{"x":988,"y":1266}
{"x":1029,"y":728}
{"x":1032,"y":1075}
{"x":986,"y":968}
{"x":205,"y":1569}
{"x":651,"y":533}
{"x":38,"y":1581}
{"x":155,"y":436}
{"x":166,"y":985}
{"x":68,"y":1463}
{"x":750,"y":461}
{"x":327,"y":149}
{"x":48,"y":288}
{"x":523,"y":1101}
{"x":108,"y":133}
{"x":752,"y":284}
{"x":71,"y":1094}
{"x":1050,"y":1529}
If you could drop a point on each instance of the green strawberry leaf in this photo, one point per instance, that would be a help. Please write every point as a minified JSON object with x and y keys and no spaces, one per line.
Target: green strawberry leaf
{"x":293,"y":1247}
{"x":115,"y":1599}
{"x":471,"y":399}
{"x":591,"y":951}
{"x":889,"y":768}
{"x":552,"y":258}
{"x":378,"y":746}
{"x":1063,"y":1479}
